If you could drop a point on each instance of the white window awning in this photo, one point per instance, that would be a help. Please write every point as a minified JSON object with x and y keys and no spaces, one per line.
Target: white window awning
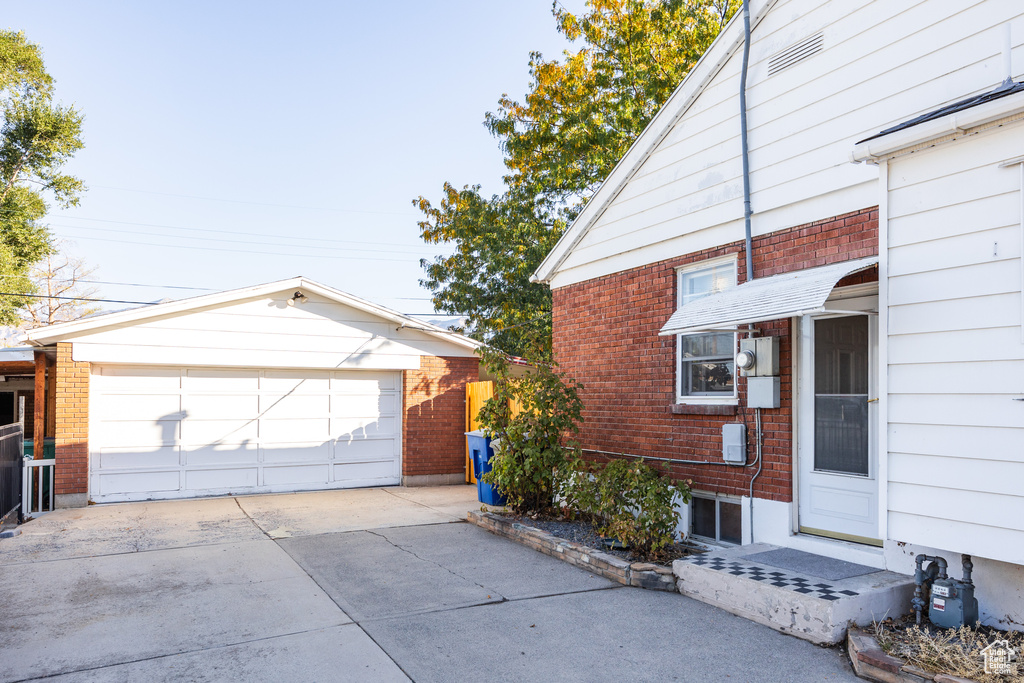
{"x":770,"y":298}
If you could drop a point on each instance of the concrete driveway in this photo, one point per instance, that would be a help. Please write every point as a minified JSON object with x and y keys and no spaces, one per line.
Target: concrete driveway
{"x":361,"y":585}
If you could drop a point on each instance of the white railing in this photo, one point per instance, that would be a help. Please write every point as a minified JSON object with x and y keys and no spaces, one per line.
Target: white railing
{"x":32,"y":477}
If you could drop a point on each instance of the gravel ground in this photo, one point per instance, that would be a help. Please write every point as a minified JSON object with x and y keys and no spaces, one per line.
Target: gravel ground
{"x":584,"y":534}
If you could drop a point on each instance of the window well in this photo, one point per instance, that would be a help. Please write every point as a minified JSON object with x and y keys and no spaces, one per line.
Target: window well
{"x":716,"y":519}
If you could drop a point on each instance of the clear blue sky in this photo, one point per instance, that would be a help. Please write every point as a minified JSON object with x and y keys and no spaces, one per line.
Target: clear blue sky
{"x":309,"y":125}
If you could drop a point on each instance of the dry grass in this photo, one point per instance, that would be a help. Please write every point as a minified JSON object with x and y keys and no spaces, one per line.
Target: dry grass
{"x":950,"y":651}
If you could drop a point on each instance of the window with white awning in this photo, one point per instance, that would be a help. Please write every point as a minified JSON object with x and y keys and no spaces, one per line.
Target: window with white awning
{"x":780,"y":296}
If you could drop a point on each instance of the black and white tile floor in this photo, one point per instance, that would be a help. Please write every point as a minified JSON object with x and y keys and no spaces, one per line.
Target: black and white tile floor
{"x":807,"y":585}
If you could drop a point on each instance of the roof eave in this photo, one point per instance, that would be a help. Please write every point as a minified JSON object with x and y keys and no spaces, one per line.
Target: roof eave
{"x":876,"y":149}
{"x":61,"y":331}
{"x":52,"y":334}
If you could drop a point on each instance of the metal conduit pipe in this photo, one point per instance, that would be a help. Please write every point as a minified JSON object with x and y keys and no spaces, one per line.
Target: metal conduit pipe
{"x":748,"y":241}
{"x":673,"y":460}
{"x":757,"y":459}
{"x":744,"y":150}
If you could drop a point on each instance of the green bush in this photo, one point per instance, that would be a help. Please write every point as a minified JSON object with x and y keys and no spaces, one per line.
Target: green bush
{"x":627,"y":500}
{"x":535,"y":440}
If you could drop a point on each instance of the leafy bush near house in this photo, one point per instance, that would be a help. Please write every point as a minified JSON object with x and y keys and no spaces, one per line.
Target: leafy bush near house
{"x":533,"y":420}
{"x":627,"y":500}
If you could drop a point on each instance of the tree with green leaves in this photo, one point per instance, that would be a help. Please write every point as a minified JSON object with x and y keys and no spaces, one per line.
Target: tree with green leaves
{"x":578,"y":119}
{"x":37,"y":138}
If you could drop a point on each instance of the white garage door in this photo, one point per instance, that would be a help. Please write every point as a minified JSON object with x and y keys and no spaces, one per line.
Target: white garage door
{"x":183,"y":432}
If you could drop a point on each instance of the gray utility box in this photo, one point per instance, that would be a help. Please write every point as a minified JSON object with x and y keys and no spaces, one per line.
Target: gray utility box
{"x":764,"y":392}
{"x":953,"y":604}
{"x":734,"y":443}
{"x":766,"y":355}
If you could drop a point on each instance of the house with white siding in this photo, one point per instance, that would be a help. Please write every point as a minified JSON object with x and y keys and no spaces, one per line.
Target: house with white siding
{"x":886,"y":183}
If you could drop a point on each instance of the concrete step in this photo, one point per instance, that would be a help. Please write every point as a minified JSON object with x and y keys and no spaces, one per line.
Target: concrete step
{"x":809,"y":596}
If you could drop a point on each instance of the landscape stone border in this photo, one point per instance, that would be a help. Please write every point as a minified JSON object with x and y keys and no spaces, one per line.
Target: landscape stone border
{"x":639,"y":574}
{"x":870,"y":662}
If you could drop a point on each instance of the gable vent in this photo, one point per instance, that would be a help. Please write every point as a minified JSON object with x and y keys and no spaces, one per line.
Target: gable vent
{"x":797,"y":53}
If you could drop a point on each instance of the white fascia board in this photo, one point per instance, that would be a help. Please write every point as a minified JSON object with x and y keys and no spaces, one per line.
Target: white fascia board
{"x":51,"y":334}
{"x":394,"y":316}
{"x":702,"y":73}
{"x":879,"y":148}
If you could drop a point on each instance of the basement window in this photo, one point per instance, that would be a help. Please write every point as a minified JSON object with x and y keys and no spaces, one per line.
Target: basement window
{"x":717,"y":519}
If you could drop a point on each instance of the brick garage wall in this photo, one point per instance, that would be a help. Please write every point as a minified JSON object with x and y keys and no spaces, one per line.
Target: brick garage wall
{"x":434,"y":415}
{"x":71,"y":424}
{"x":606,"y":336}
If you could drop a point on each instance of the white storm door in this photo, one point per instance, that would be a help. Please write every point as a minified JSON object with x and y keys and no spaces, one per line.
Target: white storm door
{"x":837,"y":422}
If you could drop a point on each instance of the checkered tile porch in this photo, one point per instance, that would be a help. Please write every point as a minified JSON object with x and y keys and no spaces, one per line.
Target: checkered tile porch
{"x":808,"y":585}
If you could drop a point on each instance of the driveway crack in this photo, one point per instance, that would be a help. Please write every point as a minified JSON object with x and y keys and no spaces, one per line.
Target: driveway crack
{"x":438,"y":564}
{"x":253,"y":521}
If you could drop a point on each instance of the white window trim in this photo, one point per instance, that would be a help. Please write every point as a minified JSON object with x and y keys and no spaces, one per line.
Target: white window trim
{"x":686,"y":399}
{"x":718,"y":498}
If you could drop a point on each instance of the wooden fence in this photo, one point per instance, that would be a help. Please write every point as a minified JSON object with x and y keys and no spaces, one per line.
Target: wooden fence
{"x":477,"y":394}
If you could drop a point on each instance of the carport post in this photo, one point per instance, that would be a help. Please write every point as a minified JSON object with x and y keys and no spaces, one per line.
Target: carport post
{"x":39,"y":407}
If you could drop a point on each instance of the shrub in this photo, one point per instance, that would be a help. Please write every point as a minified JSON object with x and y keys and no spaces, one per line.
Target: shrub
{"x":627,"y":500}
{"x":534,"y":419}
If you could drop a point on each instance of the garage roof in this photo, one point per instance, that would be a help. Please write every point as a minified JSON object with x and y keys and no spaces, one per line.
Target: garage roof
{"x":51,"y":334}
{"x":770,"y":298}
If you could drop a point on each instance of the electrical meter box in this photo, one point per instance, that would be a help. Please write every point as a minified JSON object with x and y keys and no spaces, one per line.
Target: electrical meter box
{"x":766,"y":356}
{"x":734,"y":443}
{"x":764,"y":392}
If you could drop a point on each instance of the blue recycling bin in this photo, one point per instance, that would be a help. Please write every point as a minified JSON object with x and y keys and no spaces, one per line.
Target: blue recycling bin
{"x":480,"y":452}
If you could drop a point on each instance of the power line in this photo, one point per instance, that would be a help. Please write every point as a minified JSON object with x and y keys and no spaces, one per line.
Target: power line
{"x":240,"y":201}
{"x":217,"y":239}
{"x":119,"y":284}
{"x":150,"y":303}
{"x":242,"y":251}
{"x":203,"y":289}
{"x":77,"y":298}
{"x":136,"y":284}
{"x":236,"y":232}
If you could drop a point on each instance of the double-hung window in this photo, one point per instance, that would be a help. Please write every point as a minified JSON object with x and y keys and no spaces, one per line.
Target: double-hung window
{"x":705,"y":366}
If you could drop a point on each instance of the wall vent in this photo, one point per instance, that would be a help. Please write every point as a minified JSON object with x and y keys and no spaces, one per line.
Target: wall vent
{"x":796,"y":53}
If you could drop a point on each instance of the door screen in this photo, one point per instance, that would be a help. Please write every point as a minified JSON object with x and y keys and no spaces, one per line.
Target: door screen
{"x":841,"y":395}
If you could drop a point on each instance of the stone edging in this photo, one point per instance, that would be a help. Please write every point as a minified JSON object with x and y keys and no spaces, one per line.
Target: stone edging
{"x":639,"y":574}
{"x":870,"y":662}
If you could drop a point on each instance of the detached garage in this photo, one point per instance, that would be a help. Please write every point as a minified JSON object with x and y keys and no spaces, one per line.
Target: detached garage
{"x":282,"y":387}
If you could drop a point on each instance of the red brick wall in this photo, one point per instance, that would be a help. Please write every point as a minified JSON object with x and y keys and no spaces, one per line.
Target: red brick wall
{"x":71,"y":423}
{"x":434,"y":415}
{"x":606,"y":336}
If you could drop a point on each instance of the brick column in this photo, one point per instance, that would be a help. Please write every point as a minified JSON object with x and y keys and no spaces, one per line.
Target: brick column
{"x":71,"y":429}
{"x":434,"y":420}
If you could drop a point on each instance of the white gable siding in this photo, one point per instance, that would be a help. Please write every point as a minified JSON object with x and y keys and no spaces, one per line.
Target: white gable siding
{"x":266,"y":332}
{"x":882,"y":63}
{"x":956,"y":357}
